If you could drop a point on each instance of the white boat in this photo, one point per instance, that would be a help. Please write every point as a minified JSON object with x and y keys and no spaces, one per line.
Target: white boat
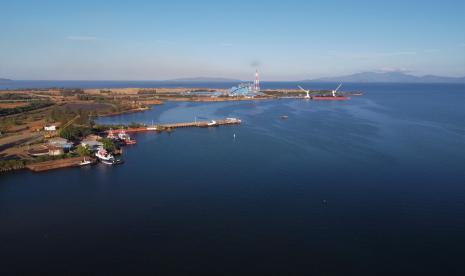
{"x":103,"y":155}
{"x":212,"y":123}
{"x":123,"y":136}
{"x":111,"y":135}
{"x":85,"y":162}
{"x":233,"y":120}
{"x":107,"y":158}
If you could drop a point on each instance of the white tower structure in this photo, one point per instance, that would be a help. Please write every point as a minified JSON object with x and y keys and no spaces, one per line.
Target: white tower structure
{"x":256,"y":82}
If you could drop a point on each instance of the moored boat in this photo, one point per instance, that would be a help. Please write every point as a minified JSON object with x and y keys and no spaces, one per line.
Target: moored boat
{"x":85,"y":162}
{"x":111,"y":135}
{"x":212,"y":123}
{"x":329,"y":98}
{"x":123,"y":136}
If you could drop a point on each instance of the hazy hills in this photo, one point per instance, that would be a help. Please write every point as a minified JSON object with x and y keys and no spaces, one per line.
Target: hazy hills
{"x":204,"y":79}
{"x":393,"y":77}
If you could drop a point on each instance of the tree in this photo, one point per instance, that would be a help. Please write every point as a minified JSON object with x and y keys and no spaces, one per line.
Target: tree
{"x":108,"y":144}
{"x":74,"y":132}
{"x":69,"y":133}
{"x":83,"y":150}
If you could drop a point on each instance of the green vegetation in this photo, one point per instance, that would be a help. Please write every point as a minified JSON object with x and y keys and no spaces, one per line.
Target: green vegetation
{"x":87,"y":97}
{"x":6,"y":124}
{"x":71,"y":92}
{"x":147,"y":91}
{"x":61,"y":114}
{"x":102,"y":128}
{"x":9,"y":165}
{"x":108,"y":144}
{"x":21,"y":109}
{"x":73,"y":132}
{"x":14,"y":96}
{"x":80,"y":127}
{"x":83,"y":150}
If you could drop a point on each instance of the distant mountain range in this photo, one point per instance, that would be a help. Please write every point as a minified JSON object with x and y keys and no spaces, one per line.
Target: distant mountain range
{"x":2,"y":79}
{"x":392,"y":77}
{"x":204,"y":79}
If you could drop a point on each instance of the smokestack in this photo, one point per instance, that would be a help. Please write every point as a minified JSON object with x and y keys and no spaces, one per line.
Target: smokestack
{"x":257,"y":82}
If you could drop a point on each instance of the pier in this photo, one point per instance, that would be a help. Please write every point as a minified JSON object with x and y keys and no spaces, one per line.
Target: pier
{"x":160,"y":127}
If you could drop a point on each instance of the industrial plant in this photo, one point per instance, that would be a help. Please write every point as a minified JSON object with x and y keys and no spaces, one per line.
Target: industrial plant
{"x":247,"y":89}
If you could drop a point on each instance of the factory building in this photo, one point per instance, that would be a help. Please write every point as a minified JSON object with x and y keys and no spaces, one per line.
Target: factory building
{"x":246,"y":89}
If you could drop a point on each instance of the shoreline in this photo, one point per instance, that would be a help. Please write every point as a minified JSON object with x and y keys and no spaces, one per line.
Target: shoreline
{"x":20,"y":129}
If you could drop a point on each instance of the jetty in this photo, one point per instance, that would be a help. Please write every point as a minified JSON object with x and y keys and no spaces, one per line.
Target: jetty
{"x":161,"y":127}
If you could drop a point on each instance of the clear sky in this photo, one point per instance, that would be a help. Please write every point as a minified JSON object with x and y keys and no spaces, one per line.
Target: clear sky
{"x":285,"y":39}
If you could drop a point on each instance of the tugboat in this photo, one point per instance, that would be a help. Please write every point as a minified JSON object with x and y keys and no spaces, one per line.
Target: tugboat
{"x":107,"y":158}
{"x":123,"y":136}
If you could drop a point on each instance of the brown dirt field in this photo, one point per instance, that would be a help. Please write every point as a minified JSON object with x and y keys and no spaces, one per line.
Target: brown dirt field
{"x":151,"y":102}
{"x":13,"y":105}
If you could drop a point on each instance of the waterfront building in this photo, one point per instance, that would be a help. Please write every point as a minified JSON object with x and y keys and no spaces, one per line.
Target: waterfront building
{"x":93,"y":145}
{"x":55,"y":151}
{"x":61,"y":143}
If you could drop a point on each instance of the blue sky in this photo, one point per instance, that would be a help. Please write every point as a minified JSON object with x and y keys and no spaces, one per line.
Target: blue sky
{"x":286,"y":40}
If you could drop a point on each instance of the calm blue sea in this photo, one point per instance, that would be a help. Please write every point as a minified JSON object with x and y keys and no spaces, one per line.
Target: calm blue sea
{"x":370,"y":186}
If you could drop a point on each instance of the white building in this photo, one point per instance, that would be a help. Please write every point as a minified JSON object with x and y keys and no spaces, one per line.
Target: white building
{"x":92,"y":144}
{"x":50,"y":128}
{"x":60,"y":142}
{"x":55,"y":151}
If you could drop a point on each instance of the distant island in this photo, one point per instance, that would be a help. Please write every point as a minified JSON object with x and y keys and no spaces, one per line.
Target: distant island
{"x":203,"y":79}
{"x":389,"y":77}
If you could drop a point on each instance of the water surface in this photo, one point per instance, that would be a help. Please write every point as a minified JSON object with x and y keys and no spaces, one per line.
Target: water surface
{"x":370,"y":186}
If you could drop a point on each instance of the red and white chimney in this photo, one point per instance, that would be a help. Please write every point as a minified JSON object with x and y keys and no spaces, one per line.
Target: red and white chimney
{"x":256,"y":82}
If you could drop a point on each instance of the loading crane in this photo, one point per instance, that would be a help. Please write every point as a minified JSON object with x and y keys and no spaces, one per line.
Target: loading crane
{"x":52,"y":134}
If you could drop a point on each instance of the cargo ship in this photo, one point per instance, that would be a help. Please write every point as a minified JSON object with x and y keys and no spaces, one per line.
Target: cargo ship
{"x":329,"y":98}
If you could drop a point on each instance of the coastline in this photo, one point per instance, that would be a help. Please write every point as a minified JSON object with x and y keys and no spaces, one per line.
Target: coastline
{"x":84,"y":104}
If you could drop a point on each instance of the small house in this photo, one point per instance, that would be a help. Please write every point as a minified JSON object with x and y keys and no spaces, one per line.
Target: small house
{"x":50,"y":128}
{"x":93,"y":145}
{"x":61,"y":143}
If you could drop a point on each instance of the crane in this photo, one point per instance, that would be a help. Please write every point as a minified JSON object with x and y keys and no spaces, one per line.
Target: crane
{"x":306,"y":91}
{"x":335,"y":90}
{"x":70,"y":122}
{"x":55,"y":133}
